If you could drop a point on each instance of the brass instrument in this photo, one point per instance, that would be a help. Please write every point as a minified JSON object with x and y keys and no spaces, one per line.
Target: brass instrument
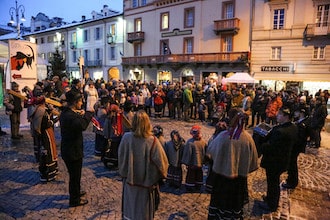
{"x":17,"y":94}
{"x":53,"y":102}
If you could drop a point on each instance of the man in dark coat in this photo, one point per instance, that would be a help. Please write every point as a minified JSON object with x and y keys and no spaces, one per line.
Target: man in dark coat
{"x":319,"y":115}
{"x":73,"y":122}
{"x":276,"y":156}
{"x":302,"y":122}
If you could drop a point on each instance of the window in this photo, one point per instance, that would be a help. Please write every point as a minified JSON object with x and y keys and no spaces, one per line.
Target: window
{"x":98,"y":33}
{"x":228,"y":10}
{"x":319,"y":53}
{"x":138,"y":25}
{"x":189,"y":14}
{"x":143,"y":2}
{"x":42,"y":41}
{"x":164,"y":18}
{"x":135,"y":3}
{"x":227,"y":43}
{"x":86,"y":55}
{"x":112,"y":54}
{"x":74,"y":56}
{"x":278,"y":19}
{"x":188,"y":45}
{"x":322,"y":16}
{"x":164,"y":47}
{"x":86,"y":35}
{"x":138,"y":49}
{"x":113,"y":29}
{"x":276,"y":53}
{"x":98,"y":54}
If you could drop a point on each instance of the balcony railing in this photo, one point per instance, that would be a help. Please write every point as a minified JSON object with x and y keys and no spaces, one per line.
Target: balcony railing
{"x":93,"y":63}
{"x":313,"y":30}
{"x":226,"y":26}
{"x":135,"y":36}
{"x":224,"y":57}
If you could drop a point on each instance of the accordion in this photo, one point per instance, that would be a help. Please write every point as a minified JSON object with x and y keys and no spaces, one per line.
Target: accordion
{"x":260,"y":134}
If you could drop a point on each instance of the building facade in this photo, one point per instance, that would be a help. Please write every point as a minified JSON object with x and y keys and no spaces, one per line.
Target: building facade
{"x":290,"y":44}
{"x":90,"y":47}
{"x":185,"y":40}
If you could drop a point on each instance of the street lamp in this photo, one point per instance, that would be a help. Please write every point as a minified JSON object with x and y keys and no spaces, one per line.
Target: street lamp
{"x":15,"y":11}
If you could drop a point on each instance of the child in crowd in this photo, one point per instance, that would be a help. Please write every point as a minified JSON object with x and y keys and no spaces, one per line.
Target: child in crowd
{"x":174,"y":151}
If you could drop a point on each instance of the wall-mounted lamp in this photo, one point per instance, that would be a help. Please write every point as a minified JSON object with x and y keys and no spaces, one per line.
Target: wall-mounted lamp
{"x":111,"y":38}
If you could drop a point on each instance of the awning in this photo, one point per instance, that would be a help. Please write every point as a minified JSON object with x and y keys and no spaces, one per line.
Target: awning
{"x":240,"y":78}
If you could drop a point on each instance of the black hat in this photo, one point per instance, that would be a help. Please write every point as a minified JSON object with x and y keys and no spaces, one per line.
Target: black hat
{"x":75,"y":81}
{"x":72,"y":97}
{"x":286,"y":111}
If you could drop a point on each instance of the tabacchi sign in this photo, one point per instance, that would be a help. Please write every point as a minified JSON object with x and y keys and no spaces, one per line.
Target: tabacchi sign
{"x":275,"y":68}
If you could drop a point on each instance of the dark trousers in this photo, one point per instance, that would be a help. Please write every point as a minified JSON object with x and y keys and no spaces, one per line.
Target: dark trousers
{"x":14,"y":123}
{"x":316,"y":136}
{"x":74,"y":168}
{"x":273,"y":188}
{"x":292,"y":179}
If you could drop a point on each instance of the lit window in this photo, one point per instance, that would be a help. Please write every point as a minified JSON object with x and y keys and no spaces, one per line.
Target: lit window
{"x":164,"y":21}
{"x":278,"y":19}
{"x":322,"y":15}
{"x":189,"y":14}
{"x":276,"y":53}
{"x":138,"y":25}
{"x":319,"y":53}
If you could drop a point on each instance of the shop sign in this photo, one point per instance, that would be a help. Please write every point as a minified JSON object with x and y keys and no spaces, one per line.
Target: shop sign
{"x":275,"y":68}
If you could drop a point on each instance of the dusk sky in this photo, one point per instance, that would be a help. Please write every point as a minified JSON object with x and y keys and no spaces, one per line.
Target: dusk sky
{"x":69,"y":10}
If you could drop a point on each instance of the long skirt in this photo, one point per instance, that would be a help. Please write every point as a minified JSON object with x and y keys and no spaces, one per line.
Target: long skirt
{"x":138,"y":202}
{"x":48,"y":155}
{"x":227,"y":198}
{"x":174,"y":176}
{"x":194,"y":179}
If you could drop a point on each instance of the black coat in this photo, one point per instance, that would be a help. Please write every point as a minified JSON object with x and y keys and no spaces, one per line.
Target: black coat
{"x":72,"y":126}
{"x":277,"y":150}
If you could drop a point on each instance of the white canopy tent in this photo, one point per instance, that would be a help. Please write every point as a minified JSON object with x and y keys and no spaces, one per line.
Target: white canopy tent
{"x":241,"y":78}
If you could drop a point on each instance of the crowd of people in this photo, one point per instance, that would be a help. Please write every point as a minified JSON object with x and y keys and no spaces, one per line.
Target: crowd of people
{"x":120,"y":112}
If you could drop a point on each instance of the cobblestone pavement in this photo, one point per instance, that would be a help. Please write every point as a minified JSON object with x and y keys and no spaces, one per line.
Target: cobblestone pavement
{"x":22,"y":196}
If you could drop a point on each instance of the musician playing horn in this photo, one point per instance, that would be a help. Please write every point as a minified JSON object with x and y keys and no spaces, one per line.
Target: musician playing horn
{"x":14,"y":108}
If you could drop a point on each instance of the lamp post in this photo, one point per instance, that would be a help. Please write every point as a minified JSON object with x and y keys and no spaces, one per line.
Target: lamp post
{"x":15,"y":11}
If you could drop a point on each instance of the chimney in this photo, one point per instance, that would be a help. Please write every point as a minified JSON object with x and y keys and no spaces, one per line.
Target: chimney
{"x":83,"y":18}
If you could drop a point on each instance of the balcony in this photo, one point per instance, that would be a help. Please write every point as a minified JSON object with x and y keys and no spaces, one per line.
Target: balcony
{"x":226,"y":26}
{"x":135,"y":37}
{"x":313,"y":30}
{"x":93,"y":63}
{"x":224,"y":57}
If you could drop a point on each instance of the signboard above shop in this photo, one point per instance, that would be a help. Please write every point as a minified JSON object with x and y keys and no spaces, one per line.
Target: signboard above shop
{"x":275,"y":68}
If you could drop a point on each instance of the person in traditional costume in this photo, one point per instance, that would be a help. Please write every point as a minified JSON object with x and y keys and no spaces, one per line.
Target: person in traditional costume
{"x":234,"y":156}
{"x":42,"y":127}
{"x":193,"y":159}
{"x":174,"y":151}
{"x":113,"y":131}
{"x":13,"y":102}
{"x":157,"y":130}
{"x":101,"y":115}
{"x":142,"y":162}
